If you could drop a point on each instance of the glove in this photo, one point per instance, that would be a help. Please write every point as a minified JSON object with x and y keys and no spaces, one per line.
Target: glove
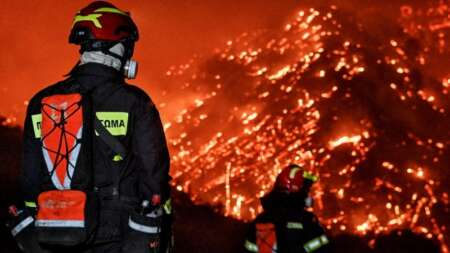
{"x":144,"y":230}
{"x":21,"y":224}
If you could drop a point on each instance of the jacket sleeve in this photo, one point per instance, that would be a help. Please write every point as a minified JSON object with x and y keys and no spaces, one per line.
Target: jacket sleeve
{"x":30,"y":176}
{"x":250,"y":241}
{"x":315,"y":240}
{"x":150,"y":146}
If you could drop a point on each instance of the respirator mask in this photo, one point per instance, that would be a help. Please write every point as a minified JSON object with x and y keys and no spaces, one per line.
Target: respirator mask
{"x":130,"y":69}
{"x":124,"y":51}
{"x":116,"y":55}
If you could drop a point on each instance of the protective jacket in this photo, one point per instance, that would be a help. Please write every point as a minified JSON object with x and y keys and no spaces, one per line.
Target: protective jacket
{"x":128,"y":114}
{"x":285,"y":227}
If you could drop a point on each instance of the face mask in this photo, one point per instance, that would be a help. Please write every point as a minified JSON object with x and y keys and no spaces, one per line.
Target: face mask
{"x":130,"y":69}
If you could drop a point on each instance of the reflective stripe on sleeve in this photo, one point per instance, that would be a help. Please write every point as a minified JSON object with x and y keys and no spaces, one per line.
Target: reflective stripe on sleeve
{"x":316,"y":243}
{"x":143,"y":228}
{"x":59,"y":223}
{"x":294,"y":225}
{"x":22,"y":225}
{"x":251,"y":246}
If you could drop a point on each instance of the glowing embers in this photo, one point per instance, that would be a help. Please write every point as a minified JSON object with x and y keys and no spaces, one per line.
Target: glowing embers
{"x":330,"y":98}
{"x":345,"y":139}
{"x":280,"y":73}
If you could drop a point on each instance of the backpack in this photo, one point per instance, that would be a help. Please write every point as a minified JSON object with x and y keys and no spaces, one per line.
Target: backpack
{"x":266,"y":238}
{"x":67,"y":215}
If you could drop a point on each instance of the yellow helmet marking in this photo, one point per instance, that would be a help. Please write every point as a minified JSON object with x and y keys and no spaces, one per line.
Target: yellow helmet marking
{"x":91,"y":17}
{"x":293,"y":172}
{"x":111,"y":10}
{"x":310,"y":176}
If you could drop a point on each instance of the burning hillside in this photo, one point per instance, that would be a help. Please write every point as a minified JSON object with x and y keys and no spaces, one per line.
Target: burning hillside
{"x":369,"y":114}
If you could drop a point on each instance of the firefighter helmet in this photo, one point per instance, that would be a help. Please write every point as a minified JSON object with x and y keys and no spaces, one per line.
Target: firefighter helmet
{"x":102,"y":21}
{"x":292,"y":179}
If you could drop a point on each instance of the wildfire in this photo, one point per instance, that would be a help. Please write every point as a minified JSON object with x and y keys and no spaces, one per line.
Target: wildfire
{"x":273,"y":98}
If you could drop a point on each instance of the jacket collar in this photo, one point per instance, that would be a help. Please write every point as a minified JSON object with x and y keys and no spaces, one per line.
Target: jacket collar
{"x":277,"y":201}
{"x":93,"y":75}
{"x":96,"y":70}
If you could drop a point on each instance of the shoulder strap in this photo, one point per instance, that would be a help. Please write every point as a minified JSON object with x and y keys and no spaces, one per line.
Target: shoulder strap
{"x":110,"y":140}
{"x":104,"y":134}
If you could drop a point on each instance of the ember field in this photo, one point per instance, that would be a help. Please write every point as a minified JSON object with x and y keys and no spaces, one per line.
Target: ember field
{"x":366,"y":109}
{"x":358,"y":96}
{"x":198,"y":228}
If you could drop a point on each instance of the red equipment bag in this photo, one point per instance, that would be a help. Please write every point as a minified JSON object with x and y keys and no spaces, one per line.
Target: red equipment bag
{"x":266,"y":238}
{"x":67,"y":215}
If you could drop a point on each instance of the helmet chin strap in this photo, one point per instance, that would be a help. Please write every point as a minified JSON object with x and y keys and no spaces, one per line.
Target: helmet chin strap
{"x":117,"y":57}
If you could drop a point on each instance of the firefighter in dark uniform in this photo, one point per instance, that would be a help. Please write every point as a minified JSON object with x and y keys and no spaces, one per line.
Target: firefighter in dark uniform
{"x":285,"y":226}
{"x":106,"y":36}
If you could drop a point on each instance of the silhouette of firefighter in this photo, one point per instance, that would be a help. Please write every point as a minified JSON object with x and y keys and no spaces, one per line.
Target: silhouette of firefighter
{"x":285,"y":226}
{"x":95,"y":174}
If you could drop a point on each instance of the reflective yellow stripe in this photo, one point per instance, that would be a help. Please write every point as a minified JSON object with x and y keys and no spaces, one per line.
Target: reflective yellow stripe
{"x":293,"y":172}
{"x":316,"y":243}
{"x":251,"y":246}
{"x":310,"y":176}
{"x":111,"y":10}
{"x":37,"y":124}
{"x":168,"y":206}
{"x":30,"y":204}
{"x":115,"y":122}
{"x":91,"y":17}
{"x":294,"y":225}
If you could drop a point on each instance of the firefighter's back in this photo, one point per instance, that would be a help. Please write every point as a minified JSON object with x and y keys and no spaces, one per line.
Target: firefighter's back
{"x":290,"y":232}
